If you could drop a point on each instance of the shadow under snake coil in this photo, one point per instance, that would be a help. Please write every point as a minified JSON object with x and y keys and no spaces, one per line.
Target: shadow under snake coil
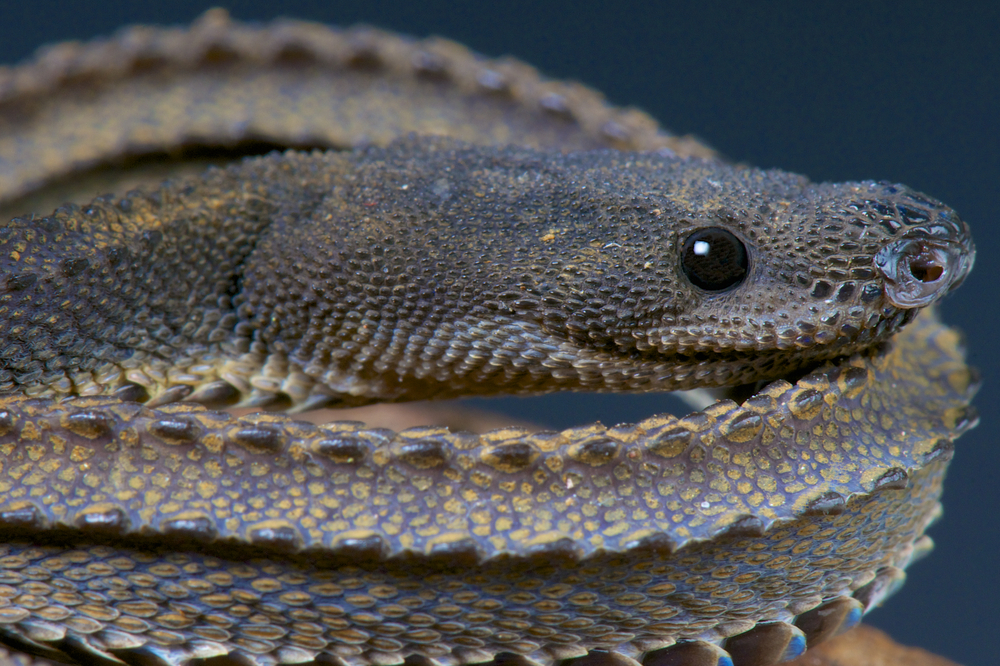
{"x":547,"y":242}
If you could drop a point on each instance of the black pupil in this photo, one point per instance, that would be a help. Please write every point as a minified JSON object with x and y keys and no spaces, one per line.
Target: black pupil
{"x":714,"y":259}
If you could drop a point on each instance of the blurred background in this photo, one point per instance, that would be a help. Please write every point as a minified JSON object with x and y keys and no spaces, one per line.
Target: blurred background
{"x":906,"y":92}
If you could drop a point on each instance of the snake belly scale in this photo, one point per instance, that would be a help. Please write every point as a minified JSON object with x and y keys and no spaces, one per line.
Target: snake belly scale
{"x":508,"y":252}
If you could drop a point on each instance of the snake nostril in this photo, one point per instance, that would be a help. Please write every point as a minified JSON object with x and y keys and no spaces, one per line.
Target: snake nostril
{"x":920,"y":270}
{"x":925,"y":269}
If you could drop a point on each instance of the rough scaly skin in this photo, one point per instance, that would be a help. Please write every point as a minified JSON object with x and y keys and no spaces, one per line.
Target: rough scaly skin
{"x":291,"y":84}
{"x":433,"y":269}
{"x":805,"y":500}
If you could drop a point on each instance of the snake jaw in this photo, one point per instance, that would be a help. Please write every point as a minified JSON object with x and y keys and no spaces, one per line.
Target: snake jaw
{"x":920,"y":269}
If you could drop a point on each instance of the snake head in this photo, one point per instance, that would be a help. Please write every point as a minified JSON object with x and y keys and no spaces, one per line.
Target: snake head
{"x":774,"y":267}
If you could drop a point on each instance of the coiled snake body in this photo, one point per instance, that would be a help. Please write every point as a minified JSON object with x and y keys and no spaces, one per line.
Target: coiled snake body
{"x":500,"y":255}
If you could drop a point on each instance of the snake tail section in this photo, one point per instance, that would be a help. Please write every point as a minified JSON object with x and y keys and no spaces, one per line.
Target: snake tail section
{"x":188,"y":533}
{"x":220,"y":85}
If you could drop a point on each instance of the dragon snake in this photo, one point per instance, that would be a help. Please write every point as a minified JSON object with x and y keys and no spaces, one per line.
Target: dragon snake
{"x":168,"y":531}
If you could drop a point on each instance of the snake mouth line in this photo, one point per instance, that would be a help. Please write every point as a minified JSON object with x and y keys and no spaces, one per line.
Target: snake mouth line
{"x":812,"y":348}
{"x":234,"y":383}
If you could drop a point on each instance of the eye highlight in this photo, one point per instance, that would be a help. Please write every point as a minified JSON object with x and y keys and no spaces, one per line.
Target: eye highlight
{"x":714,"y":259}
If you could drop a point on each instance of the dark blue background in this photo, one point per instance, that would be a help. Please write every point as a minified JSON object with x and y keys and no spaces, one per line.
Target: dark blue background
{"x":907,"y":94}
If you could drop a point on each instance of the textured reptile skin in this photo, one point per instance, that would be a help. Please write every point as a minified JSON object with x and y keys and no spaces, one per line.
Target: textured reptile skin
{"x":169,"y":532}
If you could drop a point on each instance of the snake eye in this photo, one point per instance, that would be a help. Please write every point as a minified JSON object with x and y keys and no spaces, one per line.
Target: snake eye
{"x":714,"y":259}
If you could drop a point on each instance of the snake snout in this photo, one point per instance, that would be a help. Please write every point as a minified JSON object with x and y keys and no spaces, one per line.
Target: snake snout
{"x":926,"y":263}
